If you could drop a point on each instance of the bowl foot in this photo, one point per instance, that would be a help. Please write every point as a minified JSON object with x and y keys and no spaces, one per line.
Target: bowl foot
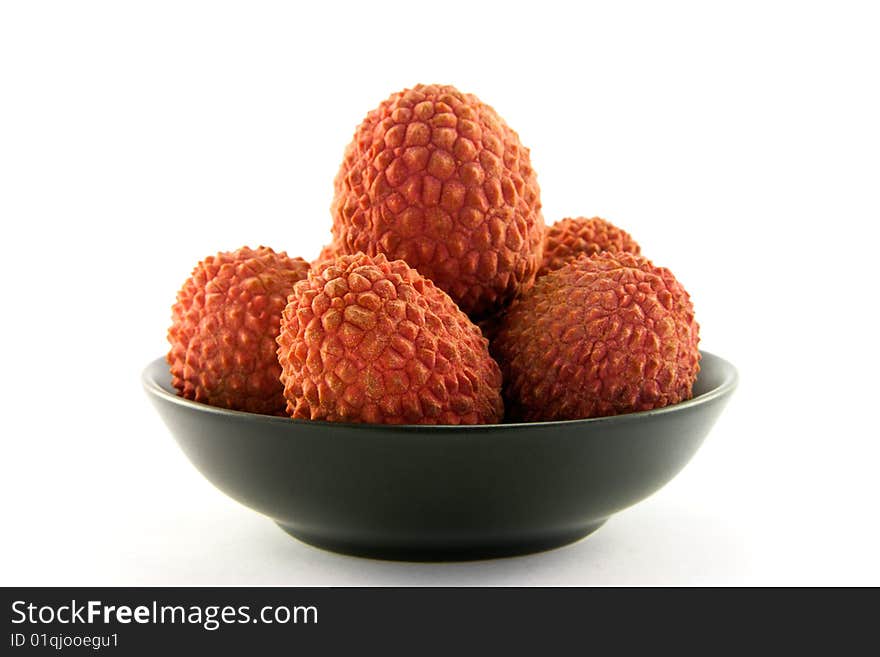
{"x":437,"y":551}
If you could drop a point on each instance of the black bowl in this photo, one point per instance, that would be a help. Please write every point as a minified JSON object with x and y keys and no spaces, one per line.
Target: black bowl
{"x":447,"y":492}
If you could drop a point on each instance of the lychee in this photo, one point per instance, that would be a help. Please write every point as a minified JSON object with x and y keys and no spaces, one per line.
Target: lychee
{"x":436,"y":178}
{"x":570,"y":238}
{"x":603,"y":335}
{"x":224,"y":326}
{"x":364,"y":339}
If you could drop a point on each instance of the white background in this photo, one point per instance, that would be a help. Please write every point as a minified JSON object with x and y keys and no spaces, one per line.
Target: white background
{"x":740,"y":145}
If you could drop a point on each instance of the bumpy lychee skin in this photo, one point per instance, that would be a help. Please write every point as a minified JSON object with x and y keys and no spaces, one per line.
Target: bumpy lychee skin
{"x":436,"y":178}
{"x":224,"y":326}
{"x":603,"y":335}
{"x":570,"y":238}
{"x":367,"y":340}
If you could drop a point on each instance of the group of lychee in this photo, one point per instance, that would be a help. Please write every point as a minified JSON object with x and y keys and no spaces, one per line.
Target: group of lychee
{"x":442,"y":298}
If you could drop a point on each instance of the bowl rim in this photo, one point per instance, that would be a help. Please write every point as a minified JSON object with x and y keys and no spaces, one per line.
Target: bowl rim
{"x":730,"y":379}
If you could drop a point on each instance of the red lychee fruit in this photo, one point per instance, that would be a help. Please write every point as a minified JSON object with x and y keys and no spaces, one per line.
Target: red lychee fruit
{"x":367,"y":340}
{"x":603,"y":335}
{"x":224,"y":326}
{"x":570,"y":238}
{"x":436,"y":178}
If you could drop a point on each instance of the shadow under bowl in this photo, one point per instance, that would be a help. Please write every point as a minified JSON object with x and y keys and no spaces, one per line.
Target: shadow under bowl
{"x":430,"y":493}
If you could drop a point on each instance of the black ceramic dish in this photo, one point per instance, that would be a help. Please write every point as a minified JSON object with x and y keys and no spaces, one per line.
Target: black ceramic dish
{"x":441,"y":493}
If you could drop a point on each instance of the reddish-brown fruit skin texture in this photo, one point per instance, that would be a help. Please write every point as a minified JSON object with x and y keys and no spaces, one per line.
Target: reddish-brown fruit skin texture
{"x":603,"y":335}
{"x":224,"y":326}
{"x":436,"y":178}
{"x":570,"y":238}
{"x":367,"y":340}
